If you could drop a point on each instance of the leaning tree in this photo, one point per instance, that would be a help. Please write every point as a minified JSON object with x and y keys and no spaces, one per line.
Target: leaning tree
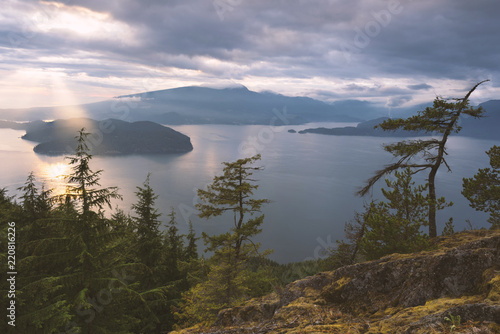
{"x":426,"y":154}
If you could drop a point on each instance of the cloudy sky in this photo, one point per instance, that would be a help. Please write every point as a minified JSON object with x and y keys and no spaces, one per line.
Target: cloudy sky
{"x":393,"y":52}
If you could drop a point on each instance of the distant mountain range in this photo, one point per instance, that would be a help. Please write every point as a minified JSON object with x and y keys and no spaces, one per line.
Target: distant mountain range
{"x":487,"y":127}
{"x":108,"y":137}
{"x":238,"y":105}
{"x":202,"y":105}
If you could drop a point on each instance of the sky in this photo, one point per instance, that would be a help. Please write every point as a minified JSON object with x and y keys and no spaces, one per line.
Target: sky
{"x":396,"y":53}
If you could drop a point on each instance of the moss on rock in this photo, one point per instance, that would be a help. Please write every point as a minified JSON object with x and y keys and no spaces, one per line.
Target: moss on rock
{"x":410,"y":293}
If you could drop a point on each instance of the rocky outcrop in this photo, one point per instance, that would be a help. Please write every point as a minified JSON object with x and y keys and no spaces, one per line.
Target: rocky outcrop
{"x":411,"y":281}
{"x":411,"y":293}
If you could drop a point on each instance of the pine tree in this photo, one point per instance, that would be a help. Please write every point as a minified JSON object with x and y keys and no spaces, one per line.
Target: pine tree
{"x":394,"y":226}
{"x":231,"y":192}
{"x":441,"y":118}
{"x":483,"y":189}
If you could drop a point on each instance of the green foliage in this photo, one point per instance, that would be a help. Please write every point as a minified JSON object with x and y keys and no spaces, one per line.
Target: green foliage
{"x":386,"y":233}
{"x":441,"y":119}
{"x":343,"y":254}
{"x":483,"y":189}
{"x":290,"y":272}
{"x":85,"y":273}
{"x":228,"y":279}
{"x":147,"y":223}
{"x":35,"y":204}
{"x":82,"y":180}
{"x":174,"y":247}
{"x":79,"y":263}
{"x":449,"y":228}
{"x":191,"y":251}
{"x":395,"y":226}
{"x":147,"y":227}
{"x":454,"y":321}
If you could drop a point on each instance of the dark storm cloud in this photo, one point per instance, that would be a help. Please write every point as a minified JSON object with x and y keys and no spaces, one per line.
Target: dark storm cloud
{"x":295,"y":39}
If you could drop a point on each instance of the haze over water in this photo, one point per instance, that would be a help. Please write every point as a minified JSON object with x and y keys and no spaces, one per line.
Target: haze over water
{"x":310,"y":179}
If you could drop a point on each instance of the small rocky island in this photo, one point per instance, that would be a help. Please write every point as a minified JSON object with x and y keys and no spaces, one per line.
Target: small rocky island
{"x":107,"y":137}
{"x":366,"y":128}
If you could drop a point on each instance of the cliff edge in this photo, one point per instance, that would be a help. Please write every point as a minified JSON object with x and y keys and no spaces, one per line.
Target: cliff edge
{"x":455,"y":284}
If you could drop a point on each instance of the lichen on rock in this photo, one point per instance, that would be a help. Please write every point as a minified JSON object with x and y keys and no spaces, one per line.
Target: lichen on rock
{"x":400,"y":293}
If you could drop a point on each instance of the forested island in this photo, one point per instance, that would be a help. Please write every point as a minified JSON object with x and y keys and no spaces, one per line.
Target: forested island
{"x":108,"y":137}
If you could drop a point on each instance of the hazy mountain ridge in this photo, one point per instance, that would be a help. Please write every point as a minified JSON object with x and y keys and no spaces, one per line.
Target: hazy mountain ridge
{"x":200,"y":105}
{"x":487,"y":127}
{"x":108,"y":137}
{"x":203,"y":105}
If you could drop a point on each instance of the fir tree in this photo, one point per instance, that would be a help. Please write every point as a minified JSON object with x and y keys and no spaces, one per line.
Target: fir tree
{"x":79,"y":266}
{"x":231,"y":192}
{"x":36,"y":205}
{"x":191,"y":250}
{"x":483,"y":189}
{"x":174,"y":248}
{"x":82,"y":180}
{"x":147,"y":224}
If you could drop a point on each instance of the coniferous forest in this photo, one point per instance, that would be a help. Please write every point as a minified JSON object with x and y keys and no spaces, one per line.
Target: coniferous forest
{"x":84,"y":268}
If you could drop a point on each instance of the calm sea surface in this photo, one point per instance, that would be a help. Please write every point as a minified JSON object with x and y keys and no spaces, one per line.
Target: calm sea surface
{"x":310,"y":179}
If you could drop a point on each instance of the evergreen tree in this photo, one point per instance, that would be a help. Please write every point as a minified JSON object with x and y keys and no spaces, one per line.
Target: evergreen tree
{"x":394,"y":226}
{"x":122,"y":222}
{"x":29,"y":196}
{"x":347,"y":252}
{"x":149,"y":236}
{"x":152,"y":253}
{"x":231,"y":192}
{"x":83,"y":179}
{"x":483,"y":189}
{"x":174,"y":248}
{"x":9,"y":213}
{"x":441,"y":118}
{"x":448,"y":229}
{"x":79,"y":265}
{"x":227,"y":280}
{"x":35,"y":207}
{"x":191,"y":250}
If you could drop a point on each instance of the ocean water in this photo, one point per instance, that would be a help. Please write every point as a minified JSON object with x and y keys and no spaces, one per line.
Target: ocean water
{"x":310,"y":179}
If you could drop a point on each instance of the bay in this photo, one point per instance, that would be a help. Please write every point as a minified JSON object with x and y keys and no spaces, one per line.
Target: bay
{"x":310,"y":179}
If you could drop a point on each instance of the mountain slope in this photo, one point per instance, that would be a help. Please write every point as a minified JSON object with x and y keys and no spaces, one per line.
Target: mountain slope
{"x":410,"y":293}
{"x":487,"y":127}
{"x":203,"y":105}
{"x":232,"y":106}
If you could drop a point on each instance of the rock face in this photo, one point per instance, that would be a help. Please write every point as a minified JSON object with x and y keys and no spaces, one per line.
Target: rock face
{"x":108,"y":137}
{"x":410,"y":293}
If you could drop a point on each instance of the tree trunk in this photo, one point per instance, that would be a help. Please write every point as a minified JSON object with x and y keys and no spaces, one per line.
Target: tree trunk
{"x":432,"y":203}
